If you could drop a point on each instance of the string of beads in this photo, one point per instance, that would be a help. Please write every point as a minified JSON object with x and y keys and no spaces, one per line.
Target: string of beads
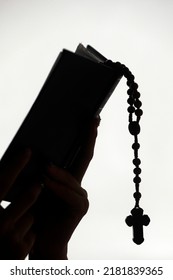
{"x":137,"y":219}
{"x":134,"y":110}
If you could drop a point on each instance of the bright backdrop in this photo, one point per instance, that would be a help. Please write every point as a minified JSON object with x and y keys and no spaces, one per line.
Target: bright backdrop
{"x":138,"y":34}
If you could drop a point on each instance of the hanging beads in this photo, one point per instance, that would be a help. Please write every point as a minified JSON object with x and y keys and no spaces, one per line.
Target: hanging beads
{"x":134,"y":126}
{"x":136,"y":219}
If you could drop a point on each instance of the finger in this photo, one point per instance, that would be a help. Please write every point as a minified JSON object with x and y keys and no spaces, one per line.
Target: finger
{"x":11,"y":170}
{"x":86,"y":153}
{"x":27,"y":244}
{"x":24,"y":225}
{"x":68,"y":195}
{"x":21,"y":205}
{"x":15,"y":248}
{"x":63,"y":177}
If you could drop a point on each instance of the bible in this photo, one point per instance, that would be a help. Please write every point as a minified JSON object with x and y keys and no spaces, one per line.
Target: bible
{"x":76,"y":89}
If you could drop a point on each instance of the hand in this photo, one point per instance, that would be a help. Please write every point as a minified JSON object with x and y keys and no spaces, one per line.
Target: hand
{"x":68,"y":203}
{"x":16,"y":236}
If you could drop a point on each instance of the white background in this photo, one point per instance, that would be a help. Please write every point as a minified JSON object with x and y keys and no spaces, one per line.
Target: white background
{"x":138,"y":34}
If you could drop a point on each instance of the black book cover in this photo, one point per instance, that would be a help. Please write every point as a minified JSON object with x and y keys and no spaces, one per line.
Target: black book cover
{"x":75,"y":91}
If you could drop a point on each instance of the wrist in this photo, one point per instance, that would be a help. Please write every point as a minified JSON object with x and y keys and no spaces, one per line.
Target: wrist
{"x":57,"y":255}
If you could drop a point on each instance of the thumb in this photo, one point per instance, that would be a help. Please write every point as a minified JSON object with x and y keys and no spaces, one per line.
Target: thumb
{"x":86,"y":152}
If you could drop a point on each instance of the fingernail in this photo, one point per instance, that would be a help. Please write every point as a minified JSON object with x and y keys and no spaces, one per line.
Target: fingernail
{"x":24,"y":153}
{"x":42,"y":185}
{"x":51,"y":165}
{"x":97,"y":120}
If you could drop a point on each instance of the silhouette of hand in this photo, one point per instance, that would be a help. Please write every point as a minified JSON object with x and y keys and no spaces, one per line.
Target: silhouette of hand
{"x":16,"y":236}
{"x":69,"y":203}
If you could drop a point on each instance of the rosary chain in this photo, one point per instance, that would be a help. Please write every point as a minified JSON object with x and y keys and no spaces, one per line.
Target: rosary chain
{"x":136,"y":219}
{"x":134,"y":127}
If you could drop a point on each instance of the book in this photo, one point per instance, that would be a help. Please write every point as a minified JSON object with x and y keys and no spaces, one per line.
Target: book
{"x":76,"y":89}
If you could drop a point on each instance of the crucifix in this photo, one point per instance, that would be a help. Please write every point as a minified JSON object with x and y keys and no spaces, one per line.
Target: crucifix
{"x":137,"y":220}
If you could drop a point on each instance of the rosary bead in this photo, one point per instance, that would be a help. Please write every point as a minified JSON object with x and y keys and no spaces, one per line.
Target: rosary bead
{"x":130,"y":91}
{"x":110,"y":63}
{"x":130,"y":101}
{"x":136,"y":94}
{"x":130,"y":83}
{"x":137,"y":195}
{"x":134,"y":128}
{"x":137,"y":180}
{"x":135,"y":146}
{"x":137,"y":161}
{"x":118,"y":64}
{"x":138,"y":103}
{"x":128,"y":75}
{"x":138,"y":112}
{"x":137,"y":170}
{"x":133,"y":85}
{"x":124,"y":67}
{"x":131,"y":109}
{"x":131,"y":77}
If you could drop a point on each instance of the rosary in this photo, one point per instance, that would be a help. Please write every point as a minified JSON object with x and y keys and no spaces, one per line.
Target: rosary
{"x":137,"y":220}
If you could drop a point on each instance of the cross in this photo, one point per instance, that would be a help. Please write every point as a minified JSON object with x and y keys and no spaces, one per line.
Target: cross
{"x":137,"y":220}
